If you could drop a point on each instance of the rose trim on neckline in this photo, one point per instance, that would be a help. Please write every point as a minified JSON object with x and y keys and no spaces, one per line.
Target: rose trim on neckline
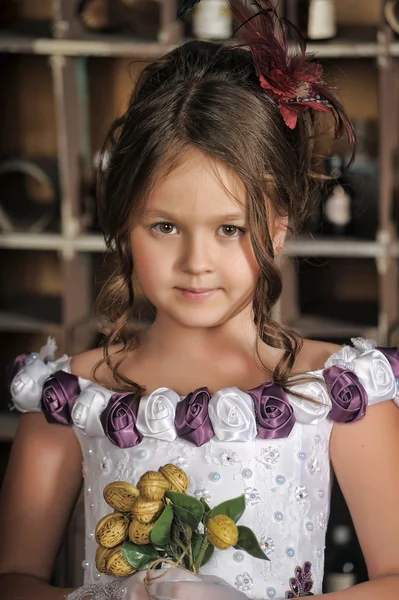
{"x":352,"y":378}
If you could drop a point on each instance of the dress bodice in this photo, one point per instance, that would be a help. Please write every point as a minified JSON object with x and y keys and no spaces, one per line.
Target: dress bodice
{"x":270,"y":446}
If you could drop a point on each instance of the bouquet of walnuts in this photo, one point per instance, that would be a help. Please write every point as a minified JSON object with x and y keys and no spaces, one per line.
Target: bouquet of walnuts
{"x":157,"y":521}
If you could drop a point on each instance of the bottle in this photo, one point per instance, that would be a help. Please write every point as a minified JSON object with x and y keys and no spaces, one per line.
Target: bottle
{"x":322,"y":20}
{"x":337,"y":217}
{"x":343,"y":572}
{"x":213,"y":20}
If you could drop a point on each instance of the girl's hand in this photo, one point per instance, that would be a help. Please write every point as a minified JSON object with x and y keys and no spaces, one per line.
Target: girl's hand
{"x":179,"y":584}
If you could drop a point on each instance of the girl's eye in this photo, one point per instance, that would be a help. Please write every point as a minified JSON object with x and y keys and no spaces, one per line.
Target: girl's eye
{"x":164,"y":225}
{"x":232,"y":230}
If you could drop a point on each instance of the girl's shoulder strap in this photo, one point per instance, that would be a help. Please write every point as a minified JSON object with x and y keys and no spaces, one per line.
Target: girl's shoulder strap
{"x":360,"y":375}
{"x":39,"y":383}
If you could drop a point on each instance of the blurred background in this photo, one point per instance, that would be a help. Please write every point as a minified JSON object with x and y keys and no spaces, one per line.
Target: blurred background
{"x":67,"y":68}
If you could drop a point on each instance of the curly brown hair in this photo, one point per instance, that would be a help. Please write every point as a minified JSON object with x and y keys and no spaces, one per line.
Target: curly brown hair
{"x":206,"y":96}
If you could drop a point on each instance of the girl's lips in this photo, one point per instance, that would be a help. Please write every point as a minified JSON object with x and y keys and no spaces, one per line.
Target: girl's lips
{"x":197,"y":296}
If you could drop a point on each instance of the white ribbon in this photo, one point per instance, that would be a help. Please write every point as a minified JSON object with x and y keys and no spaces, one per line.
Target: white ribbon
{"x":232,"y":415}
{"x":156,"y":414}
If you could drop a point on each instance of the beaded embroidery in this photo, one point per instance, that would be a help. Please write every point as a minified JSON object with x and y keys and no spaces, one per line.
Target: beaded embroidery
{"x":301,"y":585}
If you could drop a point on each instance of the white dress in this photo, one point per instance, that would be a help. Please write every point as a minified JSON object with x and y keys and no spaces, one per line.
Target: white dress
{"x":285,"y":475}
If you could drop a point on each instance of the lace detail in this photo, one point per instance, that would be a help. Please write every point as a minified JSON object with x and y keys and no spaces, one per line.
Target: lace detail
{"x":114,"y":590}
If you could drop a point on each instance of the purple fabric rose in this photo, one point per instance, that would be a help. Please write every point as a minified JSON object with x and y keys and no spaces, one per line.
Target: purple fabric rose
{"x":60,"y":391}
{"x":192,"y":420}
{"x":274,"y":414}
{"x":119,"y":421}
{"x":392,"y":355}
{"x":13,"y":367}
{"x":348,"y":396}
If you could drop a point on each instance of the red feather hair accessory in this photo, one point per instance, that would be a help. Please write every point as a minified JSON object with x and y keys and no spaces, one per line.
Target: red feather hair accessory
{"x":295,"y":83}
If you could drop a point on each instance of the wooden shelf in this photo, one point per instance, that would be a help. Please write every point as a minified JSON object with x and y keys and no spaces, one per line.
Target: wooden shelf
{"x":334,"y":247}
{"x":22,"y":323}
{"x":303,"y":246}
{"x":34,"y":241}
{"x":314,"y":326}
{"x":394,"y":49}
{"x":90,"y":45}
{"x":360,"y":43}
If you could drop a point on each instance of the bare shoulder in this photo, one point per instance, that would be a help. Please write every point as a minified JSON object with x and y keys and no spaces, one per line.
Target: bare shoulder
{"x":314,"y":354}
{"x":83,"y":364}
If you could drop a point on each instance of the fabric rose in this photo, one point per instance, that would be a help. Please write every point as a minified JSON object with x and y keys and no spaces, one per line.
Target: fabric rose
{"x":274,"y":414}
{"x":392,"y":356}
{"x":232,"y":415}
{"x":119,"y":421}
{"x":26,"y":387}
{"x":88,"y":407}
{"x":349,"y":398}
{"x":59,"y":393}
{"x":375,"y":374}
{"x":192,"y":417}
{"x":315,"y":410}
{"x":156,"y":415}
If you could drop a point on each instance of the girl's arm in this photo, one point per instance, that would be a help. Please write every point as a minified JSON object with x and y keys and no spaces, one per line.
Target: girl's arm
{"x":365,"y":457}
{"x":40,"y":488}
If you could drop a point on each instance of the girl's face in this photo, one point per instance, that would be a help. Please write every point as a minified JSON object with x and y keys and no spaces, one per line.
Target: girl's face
{"x":193,"y":234}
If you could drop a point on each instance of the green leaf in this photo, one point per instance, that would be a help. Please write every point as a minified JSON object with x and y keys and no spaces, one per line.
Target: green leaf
{"x":160,"y":533}
{"x":208,"y":554}
{"x":187,"y":517}
{"x":188,"y":503}
{"x":247,"y":541}
{"x":140,"y":557}
{"x":232,"y":508}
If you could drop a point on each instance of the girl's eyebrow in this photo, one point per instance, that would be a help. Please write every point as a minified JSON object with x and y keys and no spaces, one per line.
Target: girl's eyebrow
{"x":217,"y":218}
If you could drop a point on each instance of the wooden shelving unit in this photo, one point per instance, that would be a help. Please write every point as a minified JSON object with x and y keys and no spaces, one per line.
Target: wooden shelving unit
{"x":69,"y":53}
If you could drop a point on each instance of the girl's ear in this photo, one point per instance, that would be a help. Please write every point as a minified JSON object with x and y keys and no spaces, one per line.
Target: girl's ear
{"x":279,"y":233}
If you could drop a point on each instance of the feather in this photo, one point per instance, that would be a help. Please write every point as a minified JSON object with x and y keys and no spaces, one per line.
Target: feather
{"x":185,"y":6}
{"x":295,"y":82}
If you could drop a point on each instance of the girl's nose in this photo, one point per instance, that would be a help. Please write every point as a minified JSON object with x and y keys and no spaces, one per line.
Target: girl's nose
{"x":197,"y":255}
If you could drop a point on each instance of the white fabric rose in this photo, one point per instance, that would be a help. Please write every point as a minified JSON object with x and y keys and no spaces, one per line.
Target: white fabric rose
{"x":232,"y":415}
{"x":376,"y":376}
{"x":26,"y":386}
{"x":310,"y":411}
{"x":156,"y":414}
{"x":88,"y":407}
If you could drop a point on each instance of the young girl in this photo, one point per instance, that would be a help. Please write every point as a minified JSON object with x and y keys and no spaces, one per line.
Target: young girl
{"x":207,"y":169}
